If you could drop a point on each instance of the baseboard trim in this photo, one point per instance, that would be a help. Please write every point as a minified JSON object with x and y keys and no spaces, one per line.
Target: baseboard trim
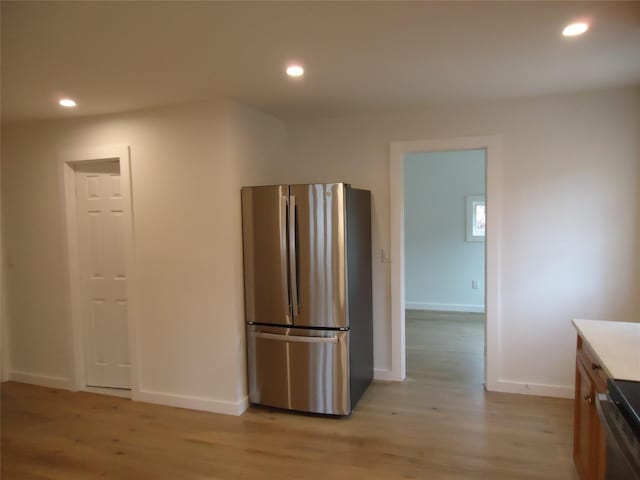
{"x":449,"y":316}
{"x":193,"y":403}
{"x":444,"y":307}
{"x":41,"y":380}
{"x":537,"y":389}
{"x":114,"y":392}
{"x":160,"y":398}
{"x":383,"y":374}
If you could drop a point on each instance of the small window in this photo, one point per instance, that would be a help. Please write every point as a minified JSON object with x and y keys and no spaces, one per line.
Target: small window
{"x":476,"y":218}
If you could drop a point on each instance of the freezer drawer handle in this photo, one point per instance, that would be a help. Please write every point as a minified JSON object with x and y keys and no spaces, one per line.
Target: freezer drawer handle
{"x":288,"y":338}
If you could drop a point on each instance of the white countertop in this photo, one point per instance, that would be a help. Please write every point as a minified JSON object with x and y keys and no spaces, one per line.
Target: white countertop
{"x":616,"y":344}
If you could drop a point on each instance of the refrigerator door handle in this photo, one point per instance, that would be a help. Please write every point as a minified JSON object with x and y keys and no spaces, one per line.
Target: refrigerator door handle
{"x":293,"y":266}
{"x":298,"y":339}
{"x":283,"y":246}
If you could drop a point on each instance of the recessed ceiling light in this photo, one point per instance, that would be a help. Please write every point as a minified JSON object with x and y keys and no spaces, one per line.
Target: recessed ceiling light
{"x":574,"y":29}
{"x":67,"y":102}
{"x":295,"y":70}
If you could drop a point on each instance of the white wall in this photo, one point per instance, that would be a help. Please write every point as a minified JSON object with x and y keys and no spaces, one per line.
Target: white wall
{"x":188,"y":164}
{"x":570,"y":210}
{"x":440,"y":264}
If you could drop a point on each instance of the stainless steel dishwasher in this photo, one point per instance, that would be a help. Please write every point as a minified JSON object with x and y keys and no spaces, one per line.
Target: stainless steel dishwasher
{"x":619,"y":412}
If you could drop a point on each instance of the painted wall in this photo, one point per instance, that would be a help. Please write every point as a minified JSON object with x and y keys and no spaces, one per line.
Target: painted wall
{"x":188,"y":164}
{"x":570,"y":185}
{"x":440,"y":264}
{"x":570,"y":208}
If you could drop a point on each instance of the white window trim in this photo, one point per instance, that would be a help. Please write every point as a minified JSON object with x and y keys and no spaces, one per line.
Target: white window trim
{"x":473,"y":200}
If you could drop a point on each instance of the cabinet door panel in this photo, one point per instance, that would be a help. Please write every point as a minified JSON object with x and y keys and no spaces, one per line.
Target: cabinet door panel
{"x":583,"y":423}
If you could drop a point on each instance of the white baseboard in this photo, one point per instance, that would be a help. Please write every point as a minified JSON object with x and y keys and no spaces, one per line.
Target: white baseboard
{"x":192,"y":402}
{"x":114,"y":392}
{"x":444,"y":307}
{"x":41,"y":380}
{"x":161,"y":398}
{"x":537,"y":389}
{"x":383,"y":374}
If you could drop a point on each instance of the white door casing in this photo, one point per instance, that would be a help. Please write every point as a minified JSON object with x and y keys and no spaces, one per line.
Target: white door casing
{"x":103,"y":274}
{"x":68,"y":161}
{"x":492,"y":146}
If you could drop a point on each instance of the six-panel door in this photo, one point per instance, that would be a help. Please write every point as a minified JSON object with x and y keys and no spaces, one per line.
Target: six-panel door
{"x":104,"y":277}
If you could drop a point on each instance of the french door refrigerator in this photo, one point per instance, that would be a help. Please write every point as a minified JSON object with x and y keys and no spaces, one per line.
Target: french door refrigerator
{"x":308,"y":305}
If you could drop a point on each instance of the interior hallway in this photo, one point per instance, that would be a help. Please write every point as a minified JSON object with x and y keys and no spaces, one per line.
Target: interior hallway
{"x":438,"y":424}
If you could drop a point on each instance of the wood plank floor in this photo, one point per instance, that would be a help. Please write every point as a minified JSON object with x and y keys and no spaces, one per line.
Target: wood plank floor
{"x":439,"y":424}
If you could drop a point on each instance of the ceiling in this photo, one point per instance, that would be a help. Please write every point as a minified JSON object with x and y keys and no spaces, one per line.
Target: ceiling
{"x":359,"y":56}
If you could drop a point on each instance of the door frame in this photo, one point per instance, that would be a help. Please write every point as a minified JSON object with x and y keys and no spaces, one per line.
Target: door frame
{"x":492,"y":145}
{"x":66,"y":162}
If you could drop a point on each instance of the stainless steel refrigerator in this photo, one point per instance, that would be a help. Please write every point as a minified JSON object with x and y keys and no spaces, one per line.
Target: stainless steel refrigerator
{"x":308,"y":305}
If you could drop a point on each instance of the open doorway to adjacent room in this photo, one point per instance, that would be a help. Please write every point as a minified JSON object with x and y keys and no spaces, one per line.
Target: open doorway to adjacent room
{"x":453,"y":287}
{"x":444,"y":274}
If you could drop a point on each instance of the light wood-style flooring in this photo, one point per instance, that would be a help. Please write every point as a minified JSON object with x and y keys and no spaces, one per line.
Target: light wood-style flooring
{"x":445,"y":348}
{"x":439,"y":424}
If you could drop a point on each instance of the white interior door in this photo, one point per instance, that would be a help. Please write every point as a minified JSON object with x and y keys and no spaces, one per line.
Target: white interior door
{"x":100,"y":213}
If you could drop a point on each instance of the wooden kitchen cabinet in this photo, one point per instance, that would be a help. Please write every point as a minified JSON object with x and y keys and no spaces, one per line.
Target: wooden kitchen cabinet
{"x":588,"y":436}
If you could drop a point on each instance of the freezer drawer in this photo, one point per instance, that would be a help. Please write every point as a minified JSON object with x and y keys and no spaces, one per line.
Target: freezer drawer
{"x":299,"y":369}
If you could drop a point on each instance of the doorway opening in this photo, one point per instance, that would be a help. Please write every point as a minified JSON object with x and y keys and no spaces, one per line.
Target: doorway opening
{"x":444,"y":233}
{"x":491,"y":145}
{"x":99,"y":241}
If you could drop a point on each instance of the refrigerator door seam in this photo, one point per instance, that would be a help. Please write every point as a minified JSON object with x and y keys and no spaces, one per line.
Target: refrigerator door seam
{"x":300,"y":327}
{"x":288,"y":355}
{"x":296,"y":339}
